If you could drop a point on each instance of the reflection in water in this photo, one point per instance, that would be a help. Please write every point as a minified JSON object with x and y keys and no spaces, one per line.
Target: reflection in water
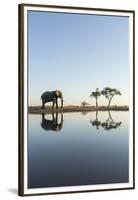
{"x":96,"y":122}
{"x":84,"y":112}
{"x":107,"y":125}
{"x":78,"y":156}
{"x":53,"y":124}
{"x":110,"y":123}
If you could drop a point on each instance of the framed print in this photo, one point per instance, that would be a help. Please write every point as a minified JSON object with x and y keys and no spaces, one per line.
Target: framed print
{"x":76,"y":99}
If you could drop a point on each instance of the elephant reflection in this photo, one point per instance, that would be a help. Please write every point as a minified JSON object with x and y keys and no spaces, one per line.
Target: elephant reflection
{"x":53,"y":124}
{"x":107,"y":125}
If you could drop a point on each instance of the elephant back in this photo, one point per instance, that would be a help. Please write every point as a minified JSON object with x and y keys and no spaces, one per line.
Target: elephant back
{"x":47,"y":96}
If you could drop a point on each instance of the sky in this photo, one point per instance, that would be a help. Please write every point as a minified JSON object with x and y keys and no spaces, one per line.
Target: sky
{"x":77,"y":53}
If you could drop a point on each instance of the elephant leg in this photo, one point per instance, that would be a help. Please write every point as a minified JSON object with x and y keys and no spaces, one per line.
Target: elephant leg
{"x":56,"y":103}
{"x":53,"y":104}
{"x":61,"y":103}
{"x":43,"y":105}
{"x":61,"y":117}
{"x":43,"y":116}
{"x":57,"y":117}
{"x":53,"y":117}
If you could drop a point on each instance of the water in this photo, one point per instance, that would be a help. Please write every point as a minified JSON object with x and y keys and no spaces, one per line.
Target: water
{"x":78,"y":149}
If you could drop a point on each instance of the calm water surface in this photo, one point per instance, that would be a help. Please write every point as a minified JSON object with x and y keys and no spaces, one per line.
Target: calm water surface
{"x":78,"y":149}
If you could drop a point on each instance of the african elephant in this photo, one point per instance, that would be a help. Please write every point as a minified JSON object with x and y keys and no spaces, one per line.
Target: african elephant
{"x":52,"y":96}
{"x":52,"y":125}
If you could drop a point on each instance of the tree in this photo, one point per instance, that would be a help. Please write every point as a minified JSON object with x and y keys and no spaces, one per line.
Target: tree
{"x":84,"y":103}
{"x":96,"y":122}
{"x":110,"y":123}
{"x":96,"y":94}
{"x":109,"y":93}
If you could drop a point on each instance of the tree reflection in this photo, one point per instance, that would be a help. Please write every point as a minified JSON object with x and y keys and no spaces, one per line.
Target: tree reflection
{"x":107,"y":125}
{"x":84,"y":113}
{"x":110,"y":123}
{"x":96,"y":122}
{"x":53,"y":124}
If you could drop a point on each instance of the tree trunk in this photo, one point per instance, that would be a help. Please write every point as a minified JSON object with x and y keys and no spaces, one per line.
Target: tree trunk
{"x":96,"y":103}
{"x":110,"y":117}
{"x":96,"y":115}
{"x":109,"y":104}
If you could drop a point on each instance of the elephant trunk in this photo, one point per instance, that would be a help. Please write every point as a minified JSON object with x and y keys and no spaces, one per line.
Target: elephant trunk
{"x":61,"y":102}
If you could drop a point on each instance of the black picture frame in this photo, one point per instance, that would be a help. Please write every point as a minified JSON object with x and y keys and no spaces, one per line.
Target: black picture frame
{"x":21,"y":106}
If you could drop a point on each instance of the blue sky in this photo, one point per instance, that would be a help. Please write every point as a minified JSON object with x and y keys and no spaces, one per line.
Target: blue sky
{"x":77,"y":53}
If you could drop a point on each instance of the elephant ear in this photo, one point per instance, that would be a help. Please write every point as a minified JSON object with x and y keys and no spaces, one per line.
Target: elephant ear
{"x":57,"y":93}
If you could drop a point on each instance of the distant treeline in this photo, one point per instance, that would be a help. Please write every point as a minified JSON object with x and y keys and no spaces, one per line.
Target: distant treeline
{"x":73,"y":108}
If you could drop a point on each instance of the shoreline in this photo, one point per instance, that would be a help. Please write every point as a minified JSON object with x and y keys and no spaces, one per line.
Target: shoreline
{"x":66,"y":109}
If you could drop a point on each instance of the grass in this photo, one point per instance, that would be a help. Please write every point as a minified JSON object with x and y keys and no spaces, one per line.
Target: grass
{"x":71,"y":108}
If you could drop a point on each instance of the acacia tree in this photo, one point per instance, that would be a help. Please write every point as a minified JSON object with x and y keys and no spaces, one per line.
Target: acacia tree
{"x":84,"y":103}
{"x":109,"y":93}
{"x":96,"y":94}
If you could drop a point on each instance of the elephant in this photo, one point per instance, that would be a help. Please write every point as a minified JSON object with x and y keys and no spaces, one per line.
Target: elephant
{"x":52,"y":96}
{"x":52,"y":125}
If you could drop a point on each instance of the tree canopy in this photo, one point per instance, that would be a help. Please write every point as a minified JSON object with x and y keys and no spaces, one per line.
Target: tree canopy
{"x":109,"y":93}
{"x":96,"y":94}
{"x":84,"y":103}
